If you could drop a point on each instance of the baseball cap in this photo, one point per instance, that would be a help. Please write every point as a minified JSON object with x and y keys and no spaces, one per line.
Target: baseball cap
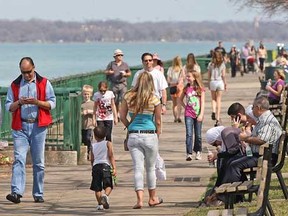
{"x":118,"y":52}
{"x":155,"y":56}
{"x":214,"y":134}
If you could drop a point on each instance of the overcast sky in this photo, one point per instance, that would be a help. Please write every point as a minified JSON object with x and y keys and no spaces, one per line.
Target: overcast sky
{"x":126,"y":10}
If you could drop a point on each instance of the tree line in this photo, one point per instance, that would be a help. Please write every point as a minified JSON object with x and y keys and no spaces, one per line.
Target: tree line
{"x":43,"y":31}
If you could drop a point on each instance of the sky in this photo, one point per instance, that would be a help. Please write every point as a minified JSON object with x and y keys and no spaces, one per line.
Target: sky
{"x":126,"y":10}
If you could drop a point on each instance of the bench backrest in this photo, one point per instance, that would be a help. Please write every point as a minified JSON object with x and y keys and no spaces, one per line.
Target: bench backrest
{"x":266,"y":172}
{"x":280,"y":110}
{"x":281,"y":152}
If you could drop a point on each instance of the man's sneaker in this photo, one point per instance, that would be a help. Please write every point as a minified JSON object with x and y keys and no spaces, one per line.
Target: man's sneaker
{"x":105,"y":201}
{"x":189,"y":157}
{"x":198,"y":156}
{"x":14,"y":197}
{"x":99,"y":207}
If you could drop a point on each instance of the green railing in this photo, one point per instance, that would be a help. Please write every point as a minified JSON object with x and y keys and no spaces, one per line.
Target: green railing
{"x":65,"y":131}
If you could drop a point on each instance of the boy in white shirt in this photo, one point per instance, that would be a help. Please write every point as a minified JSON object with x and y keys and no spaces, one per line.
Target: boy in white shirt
{"x":103,"y":167}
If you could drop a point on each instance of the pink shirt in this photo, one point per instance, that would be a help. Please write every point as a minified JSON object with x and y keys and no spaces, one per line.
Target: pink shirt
{"x":193,"y":102}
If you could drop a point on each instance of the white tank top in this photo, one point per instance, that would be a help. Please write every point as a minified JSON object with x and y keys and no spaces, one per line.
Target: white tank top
{"x":100,"y":152}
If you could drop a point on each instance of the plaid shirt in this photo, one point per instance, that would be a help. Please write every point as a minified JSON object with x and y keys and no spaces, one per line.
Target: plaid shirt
{"x":267,"y":129}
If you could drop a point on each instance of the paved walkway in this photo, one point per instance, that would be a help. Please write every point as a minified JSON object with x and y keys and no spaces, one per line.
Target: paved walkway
{"x":67,"y":187}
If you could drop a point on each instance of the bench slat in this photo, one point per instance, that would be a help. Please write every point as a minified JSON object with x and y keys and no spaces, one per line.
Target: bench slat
{"x":245,"y":186}
{"x":214,"y":213}
{"x":233,"y":186}
{"x":222,"y":188}
{"x":227,"y":212}
{"x":241,"y":212}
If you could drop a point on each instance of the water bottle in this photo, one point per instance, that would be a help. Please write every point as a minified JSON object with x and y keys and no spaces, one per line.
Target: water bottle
{"x":248,"y":151}
{"x":114,"y":178}
{"x":269,"y":82}
{"x":211,"y":163}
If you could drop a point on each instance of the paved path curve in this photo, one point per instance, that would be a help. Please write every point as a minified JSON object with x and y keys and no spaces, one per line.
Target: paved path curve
{"x":67,"y":187}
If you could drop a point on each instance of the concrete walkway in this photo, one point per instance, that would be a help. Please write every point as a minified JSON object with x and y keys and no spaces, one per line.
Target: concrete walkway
{"x":67,"y":187}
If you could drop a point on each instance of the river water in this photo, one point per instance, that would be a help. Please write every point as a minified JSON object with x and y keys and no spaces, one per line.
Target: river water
{"x":62,"y":59}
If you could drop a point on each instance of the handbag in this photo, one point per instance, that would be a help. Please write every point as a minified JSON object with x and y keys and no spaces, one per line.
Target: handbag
{"x":127,"y":134}
{"x":173,"y":89}
{"x":160,"y":170}
{"x":126,"y":142}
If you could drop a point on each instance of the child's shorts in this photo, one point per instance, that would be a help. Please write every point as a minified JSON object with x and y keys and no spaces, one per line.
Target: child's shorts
{"x":101,"y":177}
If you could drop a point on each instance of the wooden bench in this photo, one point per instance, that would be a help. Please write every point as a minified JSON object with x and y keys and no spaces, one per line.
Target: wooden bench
{"x":264,"y":171}
{"x":276,"y":168}
{"x":280,"y":110}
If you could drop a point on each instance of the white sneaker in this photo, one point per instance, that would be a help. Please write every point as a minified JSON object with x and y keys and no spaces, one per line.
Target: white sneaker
{"x":105,"y":201}
{"x":99,"y":207}
{"x":198,"y":156}
{"x":189,"y":157}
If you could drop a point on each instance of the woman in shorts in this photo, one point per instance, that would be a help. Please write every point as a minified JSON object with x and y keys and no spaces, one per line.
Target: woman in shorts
{"x":217,"y":84}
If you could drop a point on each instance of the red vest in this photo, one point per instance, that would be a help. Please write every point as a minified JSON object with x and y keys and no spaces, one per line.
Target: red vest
{"x":44,"y":116}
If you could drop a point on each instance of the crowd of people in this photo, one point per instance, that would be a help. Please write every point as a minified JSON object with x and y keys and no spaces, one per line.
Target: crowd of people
{"x":140,"y":108}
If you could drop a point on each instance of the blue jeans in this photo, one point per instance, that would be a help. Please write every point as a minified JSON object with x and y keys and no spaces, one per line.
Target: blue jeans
{"x":33,"y":136}
{"x":191,"y":124}
{"x":143,"y":149}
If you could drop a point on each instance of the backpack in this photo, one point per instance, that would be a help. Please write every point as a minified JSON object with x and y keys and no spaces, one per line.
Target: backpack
{"x":231,"y":142}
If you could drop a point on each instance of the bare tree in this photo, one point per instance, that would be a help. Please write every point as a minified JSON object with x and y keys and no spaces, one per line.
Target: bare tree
{"x":269,"y":7}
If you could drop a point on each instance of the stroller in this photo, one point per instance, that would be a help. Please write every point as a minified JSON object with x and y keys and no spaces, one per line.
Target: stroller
{"x":251,"y":64}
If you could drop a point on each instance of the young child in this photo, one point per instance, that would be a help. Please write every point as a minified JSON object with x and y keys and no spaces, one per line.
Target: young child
{"x":88,"y":120}
{"x":194,"y":92}
{"x":105,"y":108}
{"x":103,"y":167}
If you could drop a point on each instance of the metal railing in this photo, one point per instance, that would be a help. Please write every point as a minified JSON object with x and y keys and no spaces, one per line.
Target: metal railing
{"x":65,"y":131}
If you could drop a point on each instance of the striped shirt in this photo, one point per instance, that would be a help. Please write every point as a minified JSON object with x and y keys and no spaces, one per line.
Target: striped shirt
{"x":267,"y":129}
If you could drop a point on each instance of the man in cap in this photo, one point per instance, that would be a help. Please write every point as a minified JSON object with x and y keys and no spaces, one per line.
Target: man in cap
{"x":117,"y":72}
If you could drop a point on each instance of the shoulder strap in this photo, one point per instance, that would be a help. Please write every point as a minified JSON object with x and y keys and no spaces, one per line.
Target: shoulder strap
{"x":132,"y":119}
{"x":180,"y":72}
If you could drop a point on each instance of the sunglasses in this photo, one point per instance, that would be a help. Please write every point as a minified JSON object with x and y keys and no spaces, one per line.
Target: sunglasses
{"x":148,"y":60}
{"x":119,"y":55}
{"x":26,"y":72}
{"x":102,"y":91}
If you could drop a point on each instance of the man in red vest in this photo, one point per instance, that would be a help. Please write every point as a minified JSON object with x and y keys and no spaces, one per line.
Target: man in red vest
{"x":30,"y":99}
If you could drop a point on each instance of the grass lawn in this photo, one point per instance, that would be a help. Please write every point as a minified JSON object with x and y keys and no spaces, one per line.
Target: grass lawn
{"x":276,"y":197}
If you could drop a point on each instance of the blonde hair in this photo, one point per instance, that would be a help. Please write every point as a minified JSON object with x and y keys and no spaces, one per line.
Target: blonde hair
{"x":198,"y":84}
{"x":142,"y":92}
{"x":177,"y":63}
{"x":280,"y":73}
{"x":87,"y":88}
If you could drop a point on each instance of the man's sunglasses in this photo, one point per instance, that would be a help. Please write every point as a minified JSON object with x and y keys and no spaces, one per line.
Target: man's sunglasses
{"x":26,"y":72}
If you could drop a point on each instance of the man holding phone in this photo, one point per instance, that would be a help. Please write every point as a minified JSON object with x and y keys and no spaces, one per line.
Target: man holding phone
{"x":30,"y":99}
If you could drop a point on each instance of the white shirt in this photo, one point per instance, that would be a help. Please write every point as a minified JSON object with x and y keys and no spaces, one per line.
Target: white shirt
{"x":159,"y":79}
{"x":100,"y":152}
{"x":104,"y":109}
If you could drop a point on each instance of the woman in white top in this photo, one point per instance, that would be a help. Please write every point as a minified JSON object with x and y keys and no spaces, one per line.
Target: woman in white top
{"x":217,"y":84}
{"x":191,"y":63}
{"x":175,"y":78}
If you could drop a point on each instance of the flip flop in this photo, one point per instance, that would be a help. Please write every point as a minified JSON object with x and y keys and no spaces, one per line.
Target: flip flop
{"x":160,"y":200}
{"x":137,"y":206}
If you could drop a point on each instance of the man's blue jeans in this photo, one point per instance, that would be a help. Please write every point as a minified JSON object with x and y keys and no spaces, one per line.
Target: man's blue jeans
{"x":33,"y":136}
{"x":192,"y":124}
